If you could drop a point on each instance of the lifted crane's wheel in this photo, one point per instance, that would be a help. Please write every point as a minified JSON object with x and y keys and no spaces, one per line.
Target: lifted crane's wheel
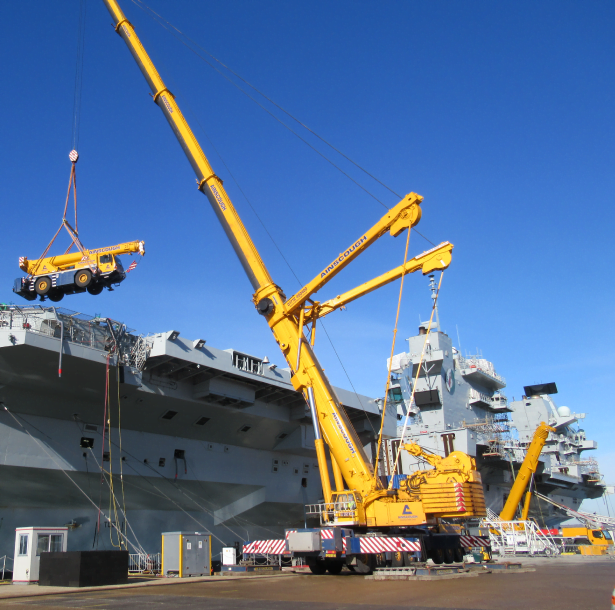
{"x":449,"y":556}
{"x":397,"y":561}
{"x":56,"y":296}
{"x":83,"y":277}
{"x":42,"y":286}
{"x":459,"y":554}
{"x":95,"y":289}
{"x":334,"y":566}
{"x":317,"y":566}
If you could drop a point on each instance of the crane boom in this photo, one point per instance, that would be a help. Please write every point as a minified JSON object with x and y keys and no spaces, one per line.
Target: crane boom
{"x":287,"y":318}
{"x":530,"y":463}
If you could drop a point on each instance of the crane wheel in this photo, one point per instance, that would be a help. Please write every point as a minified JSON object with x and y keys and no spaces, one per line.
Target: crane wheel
{"x":317,"y":566}
{"x":42,"y":286}
{"x":365,"y":564}
{"x":437,"y":556}
{"x":95,"y":289}
{"x":56,"y":296}
{"x":83,"y":277}
{"x":449,"y":555}
{"x":459,"y":554}
{"x":334,"y":566}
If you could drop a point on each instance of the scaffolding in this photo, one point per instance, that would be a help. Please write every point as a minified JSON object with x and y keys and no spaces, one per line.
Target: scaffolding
{"x":493,"y":432}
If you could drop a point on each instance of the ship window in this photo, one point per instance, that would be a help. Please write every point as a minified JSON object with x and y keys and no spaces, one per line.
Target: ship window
{"x":247,"y":363}
{"x":244,"y":428}
{"x":169,"y":415}
{"x":283,"y":435}
{"x":86,"y":443}
{"x":161,"y":462}
{"x":202,"y":421}
{"x":106,"y":456}
{"x":295,"y":471}
{"x":90,"y":428}
{"x":23,"y":544}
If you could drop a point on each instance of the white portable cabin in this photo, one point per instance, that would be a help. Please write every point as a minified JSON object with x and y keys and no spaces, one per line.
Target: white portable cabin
{"x":30,"y":542}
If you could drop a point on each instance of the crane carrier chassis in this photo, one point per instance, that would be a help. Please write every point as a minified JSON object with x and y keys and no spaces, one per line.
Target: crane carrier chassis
{"x":330,"y":549}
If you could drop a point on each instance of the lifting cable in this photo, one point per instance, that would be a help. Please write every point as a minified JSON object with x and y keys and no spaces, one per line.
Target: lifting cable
{"x":164,"y":23}
{"x":388,"y":383}
{"x":416,"y":378}
{"x":78,"y":74}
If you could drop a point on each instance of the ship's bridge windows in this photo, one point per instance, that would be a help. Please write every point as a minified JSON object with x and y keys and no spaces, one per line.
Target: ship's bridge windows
{"x":169,"y":415}
{"x":201,"y":421}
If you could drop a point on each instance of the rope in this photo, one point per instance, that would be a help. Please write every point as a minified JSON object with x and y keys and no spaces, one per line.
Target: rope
{"x":78,"y":74}
{"x":418,"y":371}
{"x":388,"y":383}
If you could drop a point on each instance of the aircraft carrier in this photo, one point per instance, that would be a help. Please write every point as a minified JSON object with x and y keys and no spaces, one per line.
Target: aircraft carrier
{"x":202,"y":439}
{"x":216,"y":440}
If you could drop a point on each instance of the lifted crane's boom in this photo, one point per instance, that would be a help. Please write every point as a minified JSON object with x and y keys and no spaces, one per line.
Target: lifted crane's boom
{"x":287,"y":317}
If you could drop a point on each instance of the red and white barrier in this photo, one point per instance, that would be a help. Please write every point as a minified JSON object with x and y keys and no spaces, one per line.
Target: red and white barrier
{"x":473,"y":541}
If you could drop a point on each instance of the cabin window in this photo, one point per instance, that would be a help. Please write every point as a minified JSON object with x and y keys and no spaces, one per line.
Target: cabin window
{"x":23,"y":544}
{"x":106,"y":258}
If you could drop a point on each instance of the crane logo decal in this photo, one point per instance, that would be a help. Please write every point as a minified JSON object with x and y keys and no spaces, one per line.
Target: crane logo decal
{"x":341,"y":257}
{"x":214,"y":190}
{"x":343,"y":433}
{"x":407,"y":513}
{"x":407,"y":510}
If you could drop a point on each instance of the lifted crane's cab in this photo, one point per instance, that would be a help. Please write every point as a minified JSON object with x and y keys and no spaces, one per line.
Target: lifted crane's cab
{"x":345,"y":509}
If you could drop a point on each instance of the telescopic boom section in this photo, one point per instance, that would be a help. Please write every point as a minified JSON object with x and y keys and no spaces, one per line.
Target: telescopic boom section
{"x":285,"y":318}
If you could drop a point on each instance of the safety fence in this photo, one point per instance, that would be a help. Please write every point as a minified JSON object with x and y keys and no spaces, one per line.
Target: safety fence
{"x":142,"y":563}
{"x":4,"y":560}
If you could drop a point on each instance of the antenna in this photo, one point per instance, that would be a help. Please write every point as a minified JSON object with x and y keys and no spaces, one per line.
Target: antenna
{"x":434,"y":290}
{"x":458,"y":339}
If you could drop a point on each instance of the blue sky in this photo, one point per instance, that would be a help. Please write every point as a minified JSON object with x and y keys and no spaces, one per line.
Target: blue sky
{"x":499,"y":114}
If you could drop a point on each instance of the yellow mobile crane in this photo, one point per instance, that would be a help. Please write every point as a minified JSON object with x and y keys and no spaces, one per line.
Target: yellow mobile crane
{"x":453,"y":488}
{"x":91,"y":270}
{"x":528,"y":468}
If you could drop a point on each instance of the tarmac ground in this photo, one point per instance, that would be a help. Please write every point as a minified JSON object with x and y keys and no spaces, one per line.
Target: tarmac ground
{"x":570,"y":583}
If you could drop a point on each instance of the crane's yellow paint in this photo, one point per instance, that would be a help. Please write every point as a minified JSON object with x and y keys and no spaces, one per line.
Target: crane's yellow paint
{"x":287,"y":317}
{"x":528,"y":467}
{"x":96,"y":258}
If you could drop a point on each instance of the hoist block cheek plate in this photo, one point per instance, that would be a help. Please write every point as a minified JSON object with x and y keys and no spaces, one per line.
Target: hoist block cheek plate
{"x":408,"y":218}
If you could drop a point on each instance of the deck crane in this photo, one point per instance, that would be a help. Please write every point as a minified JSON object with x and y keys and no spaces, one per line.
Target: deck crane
{"x":456,"y":489}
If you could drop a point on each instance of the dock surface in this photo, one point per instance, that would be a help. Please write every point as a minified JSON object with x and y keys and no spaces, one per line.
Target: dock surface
{"x":570,"y":583}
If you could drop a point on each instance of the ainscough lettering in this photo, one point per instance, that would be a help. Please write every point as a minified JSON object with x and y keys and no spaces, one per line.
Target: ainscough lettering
{"x":342,"y":256}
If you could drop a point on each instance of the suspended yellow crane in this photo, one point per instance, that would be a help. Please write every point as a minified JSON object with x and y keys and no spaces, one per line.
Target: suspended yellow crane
{"x":72,"y":272}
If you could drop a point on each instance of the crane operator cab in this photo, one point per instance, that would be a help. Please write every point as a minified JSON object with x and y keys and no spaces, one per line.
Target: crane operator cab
{"x":345,"y":508}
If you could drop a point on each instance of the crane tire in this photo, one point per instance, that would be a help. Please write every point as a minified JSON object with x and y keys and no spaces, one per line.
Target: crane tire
{"x":449,"y":555}
{"x":459,"y":554}
{"x":95,"y":289}
{"x":317,"y":566}
{"x":83,"y":277}
{"x":42,"y":285}
{"x":56,"y":296}
{"x":438,"y":556}
{"x":334,"y":566}
{"x":365,"y":564}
